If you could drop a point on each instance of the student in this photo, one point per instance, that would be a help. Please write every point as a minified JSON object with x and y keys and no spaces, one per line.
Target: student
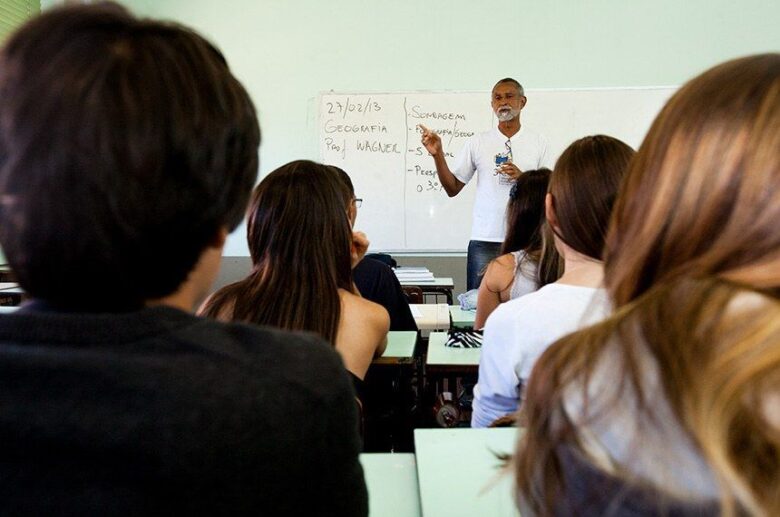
{"x":516,"y":271}
{"x":672,"y":405}
{"x":302,"y":251}
{"x":127,"y":153}
{"x":375,"y":280}
{"x":582,"y":190}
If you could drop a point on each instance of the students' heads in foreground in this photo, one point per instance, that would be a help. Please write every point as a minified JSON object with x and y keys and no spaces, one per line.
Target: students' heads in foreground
{"x":582,"y":192}
{"x":127,"y":148}
{"x":579,"y":202}
{"x":703,"y":198}
{"x":693,"y":269}
{"x":299,"y":239}
{"x":296,"y":213}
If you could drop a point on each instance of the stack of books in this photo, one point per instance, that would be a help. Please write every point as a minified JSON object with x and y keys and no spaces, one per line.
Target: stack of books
{"x":10,"y":294}
{"x":6,"y":275}
{"x":413,"y":275}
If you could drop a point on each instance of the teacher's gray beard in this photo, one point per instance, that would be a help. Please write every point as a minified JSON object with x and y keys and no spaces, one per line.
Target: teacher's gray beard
{"x":506,"y":114}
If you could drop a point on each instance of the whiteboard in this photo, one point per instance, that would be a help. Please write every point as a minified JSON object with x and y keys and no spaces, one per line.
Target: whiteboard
{"x":374,"y":137}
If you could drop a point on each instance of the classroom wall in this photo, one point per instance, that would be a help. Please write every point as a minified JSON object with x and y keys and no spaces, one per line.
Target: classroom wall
{"x":287,"y":51}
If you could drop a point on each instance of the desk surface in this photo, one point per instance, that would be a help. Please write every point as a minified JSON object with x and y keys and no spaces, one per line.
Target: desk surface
{"x":400,"y":347}
{"x":392,"y":484}
{"x":462,"y":319}
{"x":436,"y":282}
{"x":431,"y":316}
{"x":459,"y":473}
{"x":440,"y":355}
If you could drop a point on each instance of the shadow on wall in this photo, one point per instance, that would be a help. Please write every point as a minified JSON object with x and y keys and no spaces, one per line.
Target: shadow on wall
{"x":234,"y":269}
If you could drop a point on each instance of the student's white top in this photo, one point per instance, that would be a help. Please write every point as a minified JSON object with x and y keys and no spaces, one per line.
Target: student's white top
{"x":529,"y":151}
{"x":518,"y":332}
{"x":525,"y":275}
{"x":650,"y":445}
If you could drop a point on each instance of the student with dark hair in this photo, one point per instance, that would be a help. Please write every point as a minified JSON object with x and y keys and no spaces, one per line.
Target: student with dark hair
{"x":671,"y":406}
{"x":578,"y":205}
{"x":127,"y":153}
{"x":303,"y":249}
{"x":516,"y":272}
{"x":374,"y":279}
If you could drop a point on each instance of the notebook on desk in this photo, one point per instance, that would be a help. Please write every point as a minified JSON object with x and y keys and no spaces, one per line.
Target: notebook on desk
{"x":464,"y":339}
{"x":431,"y":316}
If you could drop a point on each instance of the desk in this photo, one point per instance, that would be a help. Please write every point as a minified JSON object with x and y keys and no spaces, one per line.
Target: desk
{"x":392,"y":485}
{"x":459,"y":473}
{"x":452,"y":370}
{"x":438,"y":286}
{"x":462,"y":319}
{"x":400,"y":349}
{"x":429,"y":316}
{"x":443,"y":358}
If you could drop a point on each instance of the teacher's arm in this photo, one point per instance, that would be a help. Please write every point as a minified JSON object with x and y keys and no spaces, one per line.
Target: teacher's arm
{"x":432,"y":143}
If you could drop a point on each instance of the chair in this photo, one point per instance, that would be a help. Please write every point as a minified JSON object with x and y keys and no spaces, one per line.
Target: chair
{"x":413,"y":293}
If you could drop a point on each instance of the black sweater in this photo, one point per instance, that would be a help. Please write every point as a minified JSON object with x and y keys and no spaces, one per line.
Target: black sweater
{"x":159,"y":411}
{"x":378,"y":283}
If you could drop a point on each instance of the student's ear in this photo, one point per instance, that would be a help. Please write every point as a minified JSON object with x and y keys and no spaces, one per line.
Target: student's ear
{"x":549,"y":211}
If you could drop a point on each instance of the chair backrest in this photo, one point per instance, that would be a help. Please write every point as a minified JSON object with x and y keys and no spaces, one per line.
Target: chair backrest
{"x":414,"y":293}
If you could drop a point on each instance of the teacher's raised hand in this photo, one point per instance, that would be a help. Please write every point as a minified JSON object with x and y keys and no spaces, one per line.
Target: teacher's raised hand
{"x":359,"y":247}
{"x":430,"y":140}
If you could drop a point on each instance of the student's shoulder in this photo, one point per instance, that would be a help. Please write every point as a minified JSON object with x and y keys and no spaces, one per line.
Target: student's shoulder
{"x":369,"y":310}
{"x":263,"y":340}
{"x":281,"y":357}
{"x":523,"y":310}
{"x":532,"y":299}
{"x":500,"y":272}
{"x":505,"y":262}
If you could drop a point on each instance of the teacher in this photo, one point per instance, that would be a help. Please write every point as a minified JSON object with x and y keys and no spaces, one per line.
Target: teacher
{"x":498,"y":156}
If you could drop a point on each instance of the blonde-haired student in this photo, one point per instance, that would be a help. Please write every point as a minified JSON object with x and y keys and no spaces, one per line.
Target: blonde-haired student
{"x":672,"y":405}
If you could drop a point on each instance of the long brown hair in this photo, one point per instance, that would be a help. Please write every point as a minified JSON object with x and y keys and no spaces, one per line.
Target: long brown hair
{"x":693,"y":270}
{"x":583,"y":186}
{"x":299,"y":240}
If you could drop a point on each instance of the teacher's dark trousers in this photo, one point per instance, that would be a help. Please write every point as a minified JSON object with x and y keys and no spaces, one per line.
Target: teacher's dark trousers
{"x":480,"y":253}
